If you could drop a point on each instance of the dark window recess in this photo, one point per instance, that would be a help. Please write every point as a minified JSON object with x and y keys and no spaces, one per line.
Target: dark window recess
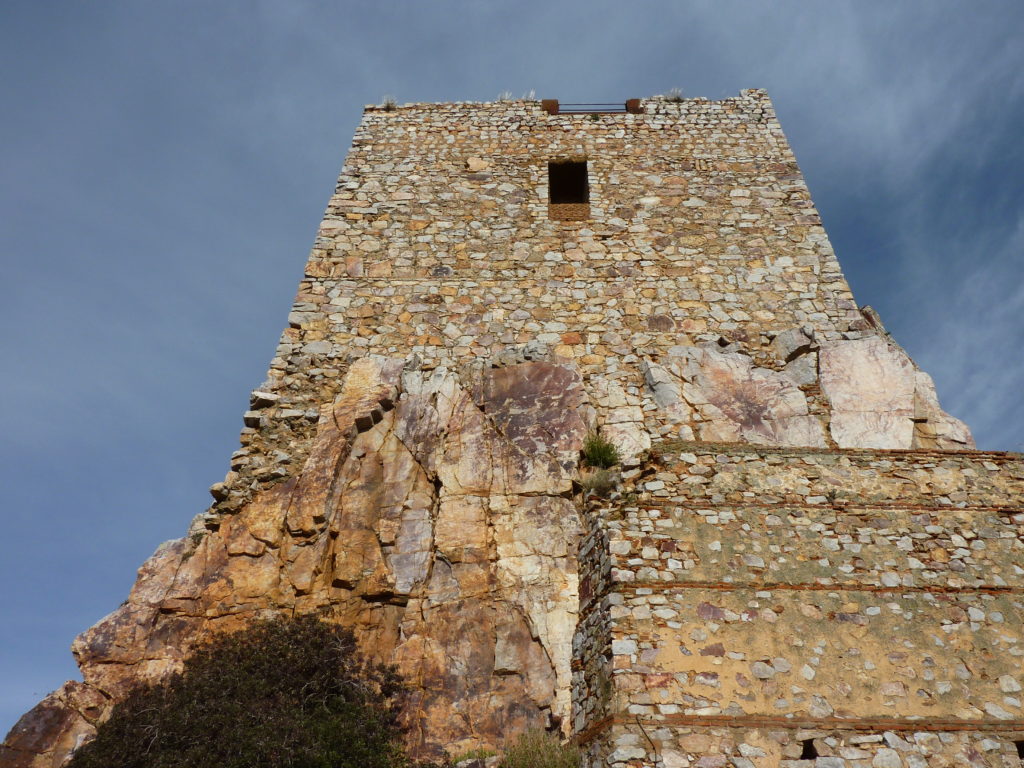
{"x":809,"y":751}
{"x":1020,"y":749}
{"x":567,"y":183}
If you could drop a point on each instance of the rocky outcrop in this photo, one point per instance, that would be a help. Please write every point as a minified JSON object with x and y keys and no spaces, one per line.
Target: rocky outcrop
{"x":736,"y":400}
{"x":54,"y":728}
{"x":879,"y":399}
{"x":851,"y":393}
{"x":432,"y":515}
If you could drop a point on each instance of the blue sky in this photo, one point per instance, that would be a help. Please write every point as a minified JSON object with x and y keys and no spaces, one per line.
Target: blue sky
{"x":164,"y":167}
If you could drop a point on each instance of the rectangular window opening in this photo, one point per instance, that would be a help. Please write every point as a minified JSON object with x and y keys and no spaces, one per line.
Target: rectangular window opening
{"x":568,"y":190}
{"x":567,"y":182}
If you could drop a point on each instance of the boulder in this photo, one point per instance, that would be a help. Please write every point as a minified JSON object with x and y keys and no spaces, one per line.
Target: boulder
{"x":736,"y":399}
{"x":879,"y":399}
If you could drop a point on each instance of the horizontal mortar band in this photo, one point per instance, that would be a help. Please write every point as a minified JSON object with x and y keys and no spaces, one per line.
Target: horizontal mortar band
{"x":488,"y":282}
{"x":679,"y":446}
{"x":665,"y":586}
{"x":931,"y":725}
{"x":589,"y":606}
{"x":850,"y":506}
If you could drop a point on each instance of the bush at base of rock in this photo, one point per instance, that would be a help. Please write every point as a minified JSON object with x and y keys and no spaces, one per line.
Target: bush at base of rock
{"x":283,"y":692}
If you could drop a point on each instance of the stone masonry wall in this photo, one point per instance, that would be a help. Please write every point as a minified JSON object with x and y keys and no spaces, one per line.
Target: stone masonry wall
{"x":871,"y":602}
{"x":411,"y":466}
{"x":437,"y":243}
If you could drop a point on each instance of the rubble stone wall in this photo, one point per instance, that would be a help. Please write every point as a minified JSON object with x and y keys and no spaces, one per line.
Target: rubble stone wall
{"x":411,"y":466}
{"x":755,"y":598}
{"x":781,"y":746}
{"x":437,"y":243}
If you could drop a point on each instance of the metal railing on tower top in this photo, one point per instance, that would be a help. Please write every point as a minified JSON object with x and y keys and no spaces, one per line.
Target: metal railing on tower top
{"x":553,"y":107}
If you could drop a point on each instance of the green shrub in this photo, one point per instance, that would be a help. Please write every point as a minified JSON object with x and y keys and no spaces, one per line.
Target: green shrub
{"x":537,"y":749}
{"x":284,"y":692}
{"x":599,"y":452}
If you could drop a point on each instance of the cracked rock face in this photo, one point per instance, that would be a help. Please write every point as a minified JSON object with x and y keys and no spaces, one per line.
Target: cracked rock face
{"x":742,"y":402}
{"x":879,"y":399}
{"x":432,"y":515}
{"x":848,"y":393}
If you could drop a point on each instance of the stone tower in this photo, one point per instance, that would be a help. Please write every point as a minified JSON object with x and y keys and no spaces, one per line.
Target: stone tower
{"x":801,"y":557}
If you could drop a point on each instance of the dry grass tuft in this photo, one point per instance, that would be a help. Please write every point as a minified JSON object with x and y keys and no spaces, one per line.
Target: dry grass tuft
{"x":537,"y":749}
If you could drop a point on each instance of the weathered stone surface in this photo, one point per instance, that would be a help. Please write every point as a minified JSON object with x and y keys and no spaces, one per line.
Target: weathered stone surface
{"x":430,"y":514}
{"x":872,"y":395}
{"x":737,"y":400}
{"x":877,"y":394}
{"x":933,"y":427}
{"x":667,"y":393}
{"x":870,"y":385}
{"x":622,"y":418}
{"x":792,"y":343}
{"x":758,"y":587}
{"x":54,"y":728}
{"x":803,"y":370}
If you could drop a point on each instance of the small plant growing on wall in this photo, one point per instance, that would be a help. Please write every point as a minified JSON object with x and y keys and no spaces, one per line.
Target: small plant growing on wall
{"x":598,"y":482}
{"x":599,"y":452}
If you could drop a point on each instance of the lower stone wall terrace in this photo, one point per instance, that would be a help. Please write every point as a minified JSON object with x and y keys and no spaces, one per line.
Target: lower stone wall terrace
{"x":818,"y":653}
{"x":772,"y":476}
{"x":753,"y":616}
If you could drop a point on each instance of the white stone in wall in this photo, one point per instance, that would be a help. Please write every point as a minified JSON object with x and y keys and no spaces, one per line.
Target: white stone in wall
{"x":668,"y":397}
{"x":736,"y":400}
{"x":877,"y":394}
{"x":870,"y":385}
